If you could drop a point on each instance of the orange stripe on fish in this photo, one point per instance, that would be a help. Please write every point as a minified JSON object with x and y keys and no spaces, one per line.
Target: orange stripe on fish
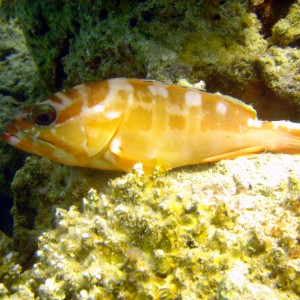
{"x":113,"y":124}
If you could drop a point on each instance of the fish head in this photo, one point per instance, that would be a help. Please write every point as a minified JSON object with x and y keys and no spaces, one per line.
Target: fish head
{"x":37,"y":131}
{"x":70,"y":132}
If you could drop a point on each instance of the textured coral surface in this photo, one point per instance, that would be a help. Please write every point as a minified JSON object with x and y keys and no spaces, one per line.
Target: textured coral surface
{"x":229,"y":44}
{"x":218,"y":231}
{"x":18,"y":81}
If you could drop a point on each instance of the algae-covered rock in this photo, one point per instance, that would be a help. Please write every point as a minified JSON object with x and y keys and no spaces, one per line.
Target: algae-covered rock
{"x":221,"y":42}
{"x":280,"y":64}
{"x":10,"y":270}
{"x":39,"y":187}
{"x":280,"y":70}
{"x":221,"y":231}
{"x":18,"y":81}
{"x":95,"y":39}
{"x":18,"y":78}
{"x":235,"y":286}
{"x":286,"y":31}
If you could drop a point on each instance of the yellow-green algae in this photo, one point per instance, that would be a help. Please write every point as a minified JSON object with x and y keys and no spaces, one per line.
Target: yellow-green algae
{"x":18,"y":81}
{"x":220,"y":41}
{"x":280,"y":69}
{"x":279,"y":66}
{"x":221,"y":231}
{"x":39,"y":187}
{"x":287,"y":31}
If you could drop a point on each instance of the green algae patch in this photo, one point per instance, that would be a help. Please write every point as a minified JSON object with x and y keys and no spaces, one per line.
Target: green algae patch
{"x":93,"y":40}
{"x":10,"y":270}
{"x":226,"y":43}
{"x":286,"y":31}
{"x":218,"y":231}
{"x":18,"y":78}
{"x":280,"y":71}
{"x":280,"y":64}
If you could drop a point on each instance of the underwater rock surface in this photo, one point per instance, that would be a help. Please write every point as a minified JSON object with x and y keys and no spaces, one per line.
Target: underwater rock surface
{"x":221,"y":231}
{"x":229,"y":44}
{"x":18,"y":81}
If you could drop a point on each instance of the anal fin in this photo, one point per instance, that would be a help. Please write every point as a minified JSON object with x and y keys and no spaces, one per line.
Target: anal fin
{"x":234,"y":154}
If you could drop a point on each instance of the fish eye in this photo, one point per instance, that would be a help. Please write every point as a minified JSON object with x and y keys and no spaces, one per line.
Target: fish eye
{"x":43,"y":114}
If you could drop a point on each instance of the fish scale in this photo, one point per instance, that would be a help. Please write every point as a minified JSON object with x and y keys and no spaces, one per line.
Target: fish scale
{"x":113,"y":124}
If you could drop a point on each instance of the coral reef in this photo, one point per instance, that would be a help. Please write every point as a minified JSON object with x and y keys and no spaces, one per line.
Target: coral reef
{"x":16,"y":86}
{"x":222,"y":42}
{"x":18,"y":81}
{"x":280,"y":65}
{"x":38,"y":188}
{"x":286,"y":31}
{"x":215,"y":231}
{"x":92,"y":40}
{"x":280,"y":69}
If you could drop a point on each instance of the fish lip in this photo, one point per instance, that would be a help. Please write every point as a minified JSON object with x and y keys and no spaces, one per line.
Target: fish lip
{"x":10,"y":133}
{"x":5,"y":136}
{"x":14,"y":137}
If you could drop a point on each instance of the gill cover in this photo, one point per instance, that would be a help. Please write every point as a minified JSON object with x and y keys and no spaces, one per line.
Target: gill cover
{"x":88,"y":133}
{"x":99,"y":131}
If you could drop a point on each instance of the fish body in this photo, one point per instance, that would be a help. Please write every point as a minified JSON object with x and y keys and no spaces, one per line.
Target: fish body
{"x":113,"y":124}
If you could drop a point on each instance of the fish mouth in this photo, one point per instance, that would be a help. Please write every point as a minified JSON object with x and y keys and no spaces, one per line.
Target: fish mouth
{"x":11,"y":135}
{"x":25,"y":141}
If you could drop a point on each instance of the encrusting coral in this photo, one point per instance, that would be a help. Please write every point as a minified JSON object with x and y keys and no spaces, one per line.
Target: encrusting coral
{"x":223,"y":233}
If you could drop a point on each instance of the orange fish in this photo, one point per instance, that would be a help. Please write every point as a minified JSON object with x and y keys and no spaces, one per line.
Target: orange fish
{"x":113,"y":124}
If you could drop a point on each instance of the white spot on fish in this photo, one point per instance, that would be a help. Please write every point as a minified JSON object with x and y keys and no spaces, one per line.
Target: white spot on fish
{"x":109,"y":157}
{"x":65,"y":99}
{"x":158,"y":91}
{"x":143,"y":105}
{"x":63,"y":138}
{"x":13,"y":141}
{"x":193,"y":99}
{"x":98,"y":108}
{"x":115,"y":86}
{"x":115,"y":146}
{"x":130,"y":99}
{"x":83,"y":91}
{"x":112,"y":114}
{"x":83,"y":145}
{"x":53,"y":130}
{"x":221,"y":108}
{"x":37,"y":134}
{"x":254,"y":123}
{"x":124,"y":86}
{"x":65,"y":156}
{"x":118,"y":84}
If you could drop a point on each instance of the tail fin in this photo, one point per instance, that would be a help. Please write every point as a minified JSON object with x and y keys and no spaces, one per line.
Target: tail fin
{"x":288,"y":137}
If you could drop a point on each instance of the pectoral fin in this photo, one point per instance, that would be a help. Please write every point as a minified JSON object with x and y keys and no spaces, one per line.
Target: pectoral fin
{"x":99,"y":131}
